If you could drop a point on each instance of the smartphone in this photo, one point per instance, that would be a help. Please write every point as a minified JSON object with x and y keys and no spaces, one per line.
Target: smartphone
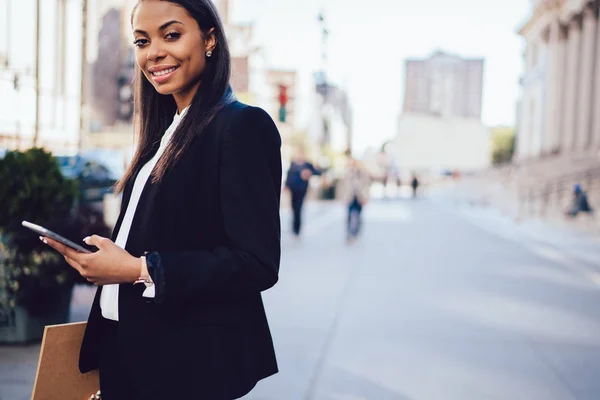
{"x":48,"y":233}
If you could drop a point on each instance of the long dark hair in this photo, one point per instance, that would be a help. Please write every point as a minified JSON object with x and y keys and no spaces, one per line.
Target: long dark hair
{"x":154,"y":111}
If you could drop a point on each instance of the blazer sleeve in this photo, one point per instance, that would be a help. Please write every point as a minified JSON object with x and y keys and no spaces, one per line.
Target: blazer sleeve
{"x":314,"y":170}
{"x":250,"y":186}
{"x":288,"y":177}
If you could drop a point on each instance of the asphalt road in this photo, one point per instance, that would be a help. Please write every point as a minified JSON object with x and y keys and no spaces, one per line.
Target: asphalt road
{"x":435,"y":303}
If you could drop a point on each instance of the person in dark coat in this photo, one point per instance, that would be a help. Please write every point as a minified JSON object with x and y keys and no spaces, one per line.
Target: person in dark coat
{"x":580,"y":203}
{"x":178,"y":312}
{"x":415,"y":185}
{"x":298,"y":177}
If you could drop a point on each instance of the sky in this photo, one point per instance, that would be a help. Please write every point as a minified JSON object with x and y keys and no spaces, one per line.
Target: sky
{"x":369,"y":41}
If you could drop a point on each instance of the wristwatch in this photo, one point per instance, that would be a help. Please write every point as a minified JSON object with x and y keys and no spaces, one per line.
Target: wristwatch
{"x":145,"y":277}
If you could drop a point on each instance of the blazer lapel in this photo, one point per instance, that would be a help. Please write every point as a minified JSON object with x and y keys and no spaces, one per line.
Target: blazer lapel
{"x":124,"y":202}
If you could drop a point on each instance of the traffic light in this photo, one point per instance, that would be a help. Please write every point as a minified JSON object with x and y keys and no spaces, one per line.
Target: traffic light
{"x":283,"y":99}
{"x":125,"y":100}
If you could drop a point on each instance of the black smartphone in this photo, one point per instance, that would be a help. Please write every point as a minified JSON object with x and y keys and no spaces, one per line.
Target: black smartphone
{"x":48,"y":233}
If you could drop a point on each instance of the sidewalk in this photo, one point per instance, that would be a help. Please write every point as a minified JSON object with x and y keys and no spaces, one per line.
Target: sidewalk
{"x":18,"y":364}
{"x":547,"y":238}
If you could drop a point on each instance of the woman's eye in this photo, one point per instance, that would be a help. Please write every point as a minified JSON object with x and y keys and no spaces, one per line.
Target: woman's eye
{"x":173,"y":35}
{"x":140,"y":42}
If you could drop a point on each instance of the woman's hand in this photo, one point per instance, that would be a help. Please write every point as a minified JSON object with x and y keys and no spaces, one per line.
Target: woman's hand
{"x":110,"y":264}
{"x":306,"y":174}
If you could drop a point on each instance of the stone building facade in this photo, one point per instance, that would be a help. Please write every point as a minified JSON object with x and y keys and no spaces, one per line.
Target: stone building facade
{"x":560,"y":106}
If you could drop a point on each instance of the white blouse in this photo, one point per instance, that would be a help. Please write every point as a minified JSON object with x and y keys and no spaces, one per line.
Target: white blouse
{"x":109,"y":298}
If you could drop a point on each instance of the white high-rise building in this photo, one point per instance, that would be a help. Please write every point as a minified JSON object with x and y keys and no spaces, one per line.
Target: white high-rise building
{"x":444,"y":85}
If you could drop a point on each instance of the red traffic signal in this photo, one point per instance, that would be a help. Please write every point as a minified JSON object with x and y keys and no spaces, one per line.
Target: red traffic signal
{"x":283,"y":97}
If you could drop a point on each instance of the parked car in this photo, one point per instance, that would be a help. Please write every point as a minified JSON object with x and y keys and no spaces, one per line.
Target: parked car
{"x":96,"y":176}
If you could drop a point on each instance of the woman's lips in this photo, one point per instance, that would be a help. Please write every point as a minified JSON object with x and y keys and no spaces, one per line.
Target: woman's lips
{"x":163,"y":75}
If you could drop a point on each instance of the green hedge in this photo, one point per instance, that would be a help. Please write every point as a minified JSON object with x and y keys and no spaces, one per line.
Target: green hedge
{"x":32,"y":188}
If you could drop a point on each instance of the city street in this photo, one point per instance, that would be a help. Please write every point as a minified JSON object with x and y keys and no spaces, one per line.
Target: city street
{"x":435,"y":301}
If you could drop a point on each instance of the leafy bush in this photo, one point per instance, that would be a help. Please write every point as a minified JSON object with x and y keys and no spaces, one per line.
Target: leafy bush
{"x":32,"y":188}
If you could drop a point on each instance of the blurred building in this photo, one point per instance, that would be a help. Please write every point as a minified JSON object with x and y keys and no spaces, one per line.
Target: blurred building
{"x":243,"y":60}
{"x":432,"y":144}
{"x":331,"y":123}
{"x":444,"y":85}
{"x":223,"y":8}
{"x":560,"y":105}
{"x":105,"y":111}
{"x":105,"y":72}
{"x":440,"y":127}
{"x":110,"y":78}
{"x":244,"y":57}
{"x":59,"y":85}
{"x":255,"y":82}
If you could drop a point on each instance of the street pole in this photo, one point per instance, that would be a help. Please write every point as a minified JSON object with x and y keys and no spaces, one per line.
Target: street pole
{"x":62,"y":62}
{"x":16,"y":76}
{"x":37,"y":74}
{"x":6,"y":60}
{"x":83,"y":92}
{"x":325,"y":140}
{"x":58,"y":57}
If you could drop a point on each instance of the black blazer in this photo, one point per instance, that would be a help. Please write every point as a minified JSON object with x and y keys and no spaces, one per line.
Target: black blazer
{"x":211,"y":232}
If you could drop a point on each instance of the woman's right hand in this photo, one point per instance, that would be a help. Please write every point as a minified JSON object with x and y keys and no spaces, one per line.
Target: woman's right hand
{"x":306,"y":174}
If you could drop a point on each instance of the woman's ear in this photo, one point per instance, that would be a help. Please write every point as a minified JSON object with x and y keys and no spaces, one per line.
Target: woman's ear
{"x":210,"y":40}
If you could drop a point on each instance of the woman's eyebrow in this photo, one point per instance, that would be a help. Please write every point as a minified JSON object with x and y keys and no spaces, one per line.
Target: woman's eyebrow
{"x":161,"y":28}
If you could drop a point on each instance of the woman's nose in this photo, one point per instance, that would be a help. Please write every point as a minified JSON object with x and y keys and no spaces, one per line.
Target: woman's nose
{"x":155,"y":52}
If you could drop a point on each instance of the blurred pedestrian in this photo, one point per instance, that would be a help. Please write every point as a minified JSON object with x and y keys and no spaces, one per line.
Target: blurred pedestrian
{"x":298,"y":177}
{"x":579,"y":203}
{"x":178,"y":313}
{"x":415,"y":185}
{"x":394,"y":174}
{"x":383,"y":163}
{"x":357,"y":184}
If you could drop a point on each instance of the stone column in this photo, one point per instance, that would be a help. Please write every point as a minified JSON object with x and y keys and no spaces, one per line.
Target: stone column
{"x":595,"y":142}
{"x":524,"y":132}
{"x":555,"y":63}
{"x":586,"y":79}
{"x":569,"y":122}
{"x":560,"y":86}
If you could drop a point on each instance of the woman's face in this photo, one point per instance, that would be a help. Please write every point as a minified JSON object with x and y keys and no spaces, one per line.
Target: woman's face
{"x":170,"y":48}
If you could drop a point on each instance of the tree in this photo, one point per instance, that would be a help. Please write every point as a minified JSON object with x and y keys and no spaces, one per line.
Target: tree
{"x":503,"y":145}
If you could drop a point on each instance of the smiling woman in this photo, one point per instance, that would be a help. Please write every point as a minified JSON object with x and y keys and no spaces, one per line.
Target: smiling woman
{"x":176,"y":45}
{"x":178,"y":312}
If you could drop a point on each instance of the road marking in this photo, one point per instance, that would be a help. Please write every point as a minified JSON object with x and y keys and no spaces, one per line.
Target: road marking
{"x":387,"y":212}
{"x":549,"y":253}
{"x":594,"y":277}
{"x":579,"y":265}
{"x":315,"y":220}
{"x":332,"y":215}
